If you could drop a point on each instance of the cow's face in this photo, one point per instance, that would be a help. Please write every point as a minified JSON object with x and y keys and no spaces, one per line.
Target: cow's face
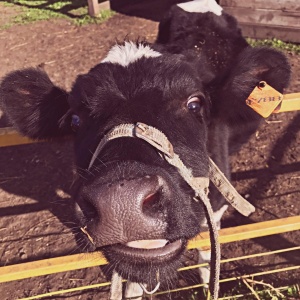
{"x":133,"y":204}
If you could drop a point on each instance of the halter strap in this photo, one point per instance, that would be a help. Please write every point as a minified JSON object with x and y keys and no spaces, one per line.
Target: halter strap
{"x":158,"y":140}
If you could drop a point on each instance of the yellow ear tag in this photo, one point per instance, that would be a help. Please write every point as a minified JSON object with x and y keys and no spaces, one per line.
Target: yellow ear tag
{"x":264,"y":99}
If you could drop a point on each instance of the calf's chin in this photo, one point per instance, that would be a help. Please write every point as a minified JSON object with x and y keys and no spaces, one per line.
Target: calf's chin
{"x":160,"y":266}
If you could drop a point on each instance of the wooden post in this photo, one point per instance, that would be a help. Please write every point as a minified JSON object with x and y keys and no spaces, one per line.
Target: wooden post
{"x":93,"y":8}
{"x":266,"y":19}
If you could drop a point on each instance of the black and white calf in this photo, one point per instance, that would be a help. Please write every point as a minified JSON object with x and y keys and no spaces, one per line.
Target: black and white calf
{"x":192,"y":85}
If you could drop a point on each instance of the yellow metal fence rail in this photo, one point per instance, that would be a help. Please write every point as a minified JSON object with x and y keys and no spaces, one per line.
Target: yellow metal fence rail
{"x":9,"y":137}
{"x":85,"y":260}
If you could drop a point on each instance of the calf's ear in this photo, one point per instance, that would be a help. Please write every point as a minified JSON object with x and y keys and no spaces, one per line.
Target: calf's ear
{"x":35,"y":106}
{"x":251,"y":66}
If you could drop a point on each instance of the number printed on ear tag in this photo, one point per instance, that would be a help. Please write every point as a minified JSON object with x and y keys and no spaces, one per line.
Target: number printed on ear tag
{"x":264,"y":99}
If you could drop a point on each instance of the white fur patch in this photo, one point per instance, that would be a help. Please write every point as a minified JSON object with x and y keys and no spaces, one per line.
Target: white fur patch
{"x":129,"y":53}
{"x":205,"y":255}
{"x":202,"y":6}
{"x":217,"y":216}
{"x":204,"y":272}
{"x":133,"y":290}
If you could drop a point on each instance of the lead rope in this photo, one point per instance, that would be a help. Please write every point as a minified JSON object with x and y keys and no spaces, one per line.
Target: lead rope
{"x":199,"y":184}
{"x":215,"y":246}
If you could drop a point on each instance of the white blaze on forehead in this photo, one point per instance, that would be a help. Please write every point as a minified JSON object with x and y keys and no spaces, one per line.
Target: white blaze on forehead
{"x":129,"y":53}
{"x":202,"y":6}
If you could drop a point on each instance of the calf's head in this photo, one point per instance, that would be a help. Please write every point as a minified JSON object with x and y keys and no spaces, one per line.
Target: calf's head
{"x":131,"y":203}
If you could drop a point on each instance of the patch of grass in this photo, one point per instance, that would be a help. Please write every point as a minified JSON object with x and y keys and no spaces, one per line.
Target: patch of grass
{"x":263,"y":291}
{"x":85,"y":19}
{"x":37,"y":10}
{"x":260,"y":290}
{"x":293,"y":291}
{"x":275,"y":43}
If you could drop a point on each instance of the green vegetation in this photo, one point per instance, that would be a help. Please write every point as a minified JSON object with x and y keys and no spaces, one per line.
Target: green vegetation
{"x":275,"y":43}
{"x":259,"y":290}
{"x":36,"y":10}
{"x":262,"y":291}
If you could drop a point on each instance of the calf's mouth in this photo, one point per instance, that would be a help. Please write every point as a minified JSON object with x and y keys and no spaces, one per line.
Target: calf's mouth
{"x":153,"y":251}
{"x":146,"y":261}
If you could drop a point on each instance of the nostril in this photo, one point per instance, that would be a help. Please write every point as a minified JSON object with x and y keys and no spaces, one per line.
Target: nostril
{"x":151,"y":199}
{"x":89,"y":210}
{"x":152,"y":203}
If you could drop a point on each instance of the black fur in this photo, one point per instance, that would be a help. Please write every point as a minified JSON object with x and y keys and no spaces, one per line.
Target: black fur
{"x":203,"y":55}
{"x":34,"y":104}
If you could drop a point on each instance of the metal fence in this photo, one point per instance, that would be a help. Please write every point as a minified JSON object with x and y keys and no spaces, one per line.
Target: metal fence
{"x":9,"y":137}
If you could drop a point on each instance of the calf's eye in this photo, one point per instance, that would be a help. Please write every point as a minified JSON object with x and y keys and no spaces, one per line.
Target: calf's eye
{"x":194,"y":104}
{"x":75,"y":123}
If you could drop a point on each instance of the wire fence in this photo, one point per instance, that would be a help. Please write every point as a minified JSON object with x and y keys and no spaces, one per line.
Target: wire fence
{"x":228,"y":235}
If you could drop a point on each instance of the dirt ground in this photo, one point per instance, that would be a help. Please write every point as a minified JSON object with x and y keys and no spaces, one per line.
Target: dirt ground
{"x":35,"y":179}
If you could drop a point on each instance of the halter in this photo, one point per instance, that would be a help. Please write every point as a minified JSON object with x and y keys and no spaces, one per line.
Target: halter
{"x":199,"y":184}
